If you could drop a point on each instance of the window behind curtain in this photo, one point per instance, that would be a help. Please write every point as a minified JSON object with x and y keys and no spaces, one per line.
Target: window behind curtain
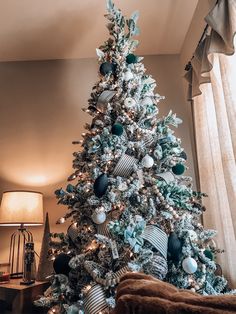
{"x":215,"y":128}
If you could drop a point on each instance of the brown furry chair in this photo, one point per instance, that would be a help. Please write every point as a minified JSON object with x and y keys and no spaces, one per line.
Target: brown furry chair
{"x":142,"y":294}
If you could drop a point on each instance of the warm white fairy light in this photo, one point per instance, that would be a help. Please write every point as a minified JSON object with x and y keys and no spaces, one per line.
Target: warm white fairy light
{"x":87,"y":288}
{"x":61,"y":220}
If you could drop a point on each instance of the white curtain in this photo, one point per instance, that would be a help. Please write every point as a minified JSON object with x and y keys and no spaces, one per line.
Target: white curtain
{"x":214,"y":113}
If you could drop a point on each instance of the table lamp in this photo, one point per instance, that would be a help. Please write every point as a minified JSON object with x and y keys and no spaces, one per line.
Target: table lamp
{"x":21,"y":209}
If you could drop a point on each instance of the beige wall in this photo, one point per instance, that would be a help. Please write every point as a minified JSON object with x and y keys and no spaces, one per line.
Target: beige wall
{"x":40,"y":115}
{"x":195,"y":30}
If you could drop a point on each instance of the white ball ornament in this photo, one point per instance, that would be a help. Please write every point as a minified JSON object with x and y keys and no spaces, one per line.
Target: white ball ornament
{"x":147,"y":161}
{"x":99,"y":217}
{"x":128,"y":75}
{"x":146,"y":101}
{"x":189,"y":265}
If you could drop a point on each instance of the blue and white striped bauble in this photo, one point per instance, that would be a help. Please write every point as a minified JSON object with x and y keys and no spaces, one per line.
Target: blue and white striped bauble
{"x":157,"y":237}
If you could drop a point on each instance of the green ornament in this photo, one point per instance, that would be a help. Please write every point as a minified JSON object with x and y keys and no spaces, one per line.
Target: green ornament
{"x":131,"y":58}
{"x":209,"y":254}
{"x":117,"y":129}
{"x":178,"y":169}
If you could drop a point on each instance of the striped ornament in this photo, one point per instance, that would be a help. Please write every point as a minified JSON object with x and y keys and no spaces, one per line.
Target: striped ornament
{"x":157,"y":237}
{"x":157,"y":266}
{"x":104,"y":99}
{"x":167,"y":176}
{"x":125,"y":166}
{"x":124,"y":135}
{"x":73,"y":232}
{"x":147,"y":141}
{"x":95,"y":300}
{"x":103,"y":228}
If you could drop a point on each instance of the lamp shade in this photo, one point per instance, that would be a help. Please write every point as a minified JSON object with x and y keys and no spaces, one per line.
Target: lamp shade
{"x":21,"y":207}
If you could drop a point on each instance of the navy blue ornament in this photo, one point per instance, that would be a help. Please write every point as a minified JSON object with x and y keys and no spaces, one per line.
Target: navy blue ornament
{"x":134,"y":200}
{"x":61,"y":264}
{"x":174,"y":247}
{"x":107,"y":67}
{"x":183,"y":155}
{"x":131,"y":58}
{"x":117,"y":129}
{"x":100,"y":185}
{"x":178,"y":169}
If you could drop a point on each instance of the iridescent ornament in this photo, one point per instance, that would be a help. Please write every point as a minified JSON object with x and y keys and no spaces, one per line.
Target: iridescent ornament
{"x":99,"y":216}
{"x":147,"y":161}
{"x":189,"y":265}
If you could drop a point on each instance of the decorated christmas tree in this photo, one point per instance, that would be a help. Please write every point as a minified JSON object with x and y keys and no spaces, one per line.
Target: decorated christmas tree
{"x":131,"y":206}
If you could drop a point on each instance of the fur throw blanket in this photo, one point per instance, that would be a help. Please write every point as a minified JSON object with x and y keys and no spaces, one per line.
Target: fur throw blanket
{"x":142,"y":294}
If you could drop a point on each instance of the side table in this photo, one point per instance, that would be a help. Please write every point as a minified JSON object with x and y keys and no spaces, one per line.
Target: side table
{"x":19,"y":298}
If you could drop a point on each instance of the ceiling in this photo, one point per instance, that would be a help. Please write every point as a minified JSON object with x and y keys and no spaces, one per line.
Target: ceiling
{"x":65,"y":29}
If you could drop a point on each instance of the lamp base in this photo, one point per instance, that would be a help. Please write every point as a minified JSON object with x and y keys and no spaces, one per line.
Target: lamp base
{"x":17,"y":246}
{"x":27,"y":283}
